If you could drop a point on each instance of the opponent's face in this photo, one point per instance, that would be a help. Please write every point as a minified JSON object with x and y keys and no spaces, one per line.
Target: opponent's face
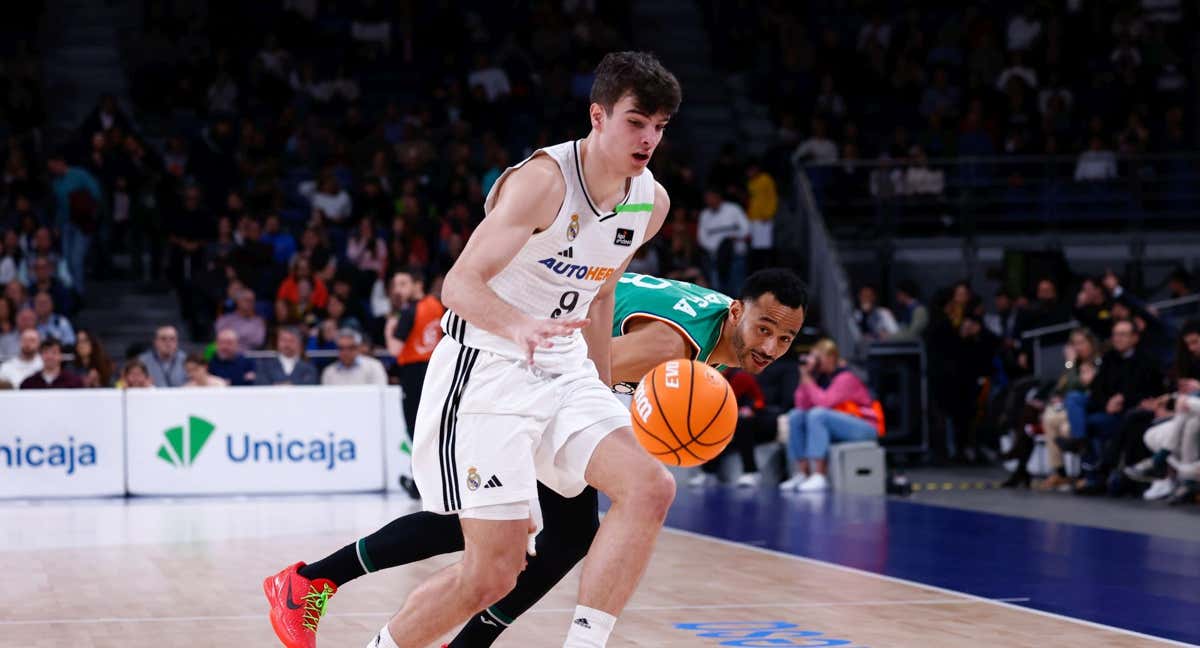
{"x":628,"y":135}
{"x":763,"y":330}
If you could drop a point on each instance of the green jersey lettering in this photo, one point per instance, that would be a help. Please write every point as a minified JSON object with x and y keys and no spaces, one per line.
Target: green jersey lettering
{"x":697,"y":313}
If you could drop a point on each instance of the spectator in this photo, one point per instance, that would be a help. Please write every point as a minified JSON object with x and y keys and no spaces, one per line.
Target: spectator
{"x":288,"y":367}
{"x":78,"y":199}
{"x":1023,"y":30}
{"x":1093,"y":307}
{"x":722,"y":233}
{"x":490,"y":77}
{"x":10,"y":337}
{"x":43,"y":280}
{"x":52,"y":375}
{"x":353,"y":368}
{"x":1017,"y":73}
{"x":367,"y":251}
{"x":10,"y":257}
{"x":314,"y":249}
{"x":91,"y":363}
{"x":940,"y":97}
{"x":198,"y":375}
{"x":51,"y":324}
{"x":188,"y":232}
{"x":912,"y":317}
{"x":289,"y":291}
{"x":250,"y":328}
{"x":135,"y":376}
{"x":411,"y":331}
{"x":761,"y":207}
{"x":817,"y":148}
{"x":280,"y":240}
{"x":874,"y":321}
{"x":832,"y":406}
{"x":1179,"y":284}
{"x":27,"y":361}
{"x":337,"y":311}
{"x":1003,"y":321}
{"x":229,"y":363}
{"x":165,"y":361}
{"x":1097,"y":163}
{"x":330,"y":203}
{"x":754,"y":426}
{"x":1126,"y":377}
{"x":1046,"y":309}
{"x":1082,"y":355}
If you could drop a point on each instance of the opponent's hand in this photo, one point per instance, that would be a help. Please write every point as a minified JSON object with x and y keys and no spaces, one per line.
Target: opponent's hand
{"x":533,"y":334}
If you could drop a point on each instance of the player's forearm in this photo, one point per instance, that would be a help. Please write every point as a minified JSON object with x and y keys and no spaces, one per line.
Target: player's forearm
{"x":467,"y":294}
{"x":598,"y":335}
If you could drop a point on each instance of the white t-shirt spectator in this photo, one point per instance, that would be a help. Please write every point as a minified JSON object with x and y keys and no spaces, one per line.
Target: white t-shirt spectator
{"x":365,"y":371}
{"x":1017,"y":71}
{"x":16,"y":370}
{"x":1022,"y":32}
{"x":335,"y":206}
{"x":1096,"y":165}
{"x":494,"y":81}
{"x":818,"y":150}
{"x":727,"y":221}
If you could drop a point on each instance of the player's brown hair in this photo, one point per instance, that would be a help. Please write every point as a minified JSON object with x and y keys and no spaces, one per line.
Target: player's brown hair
{"x":654,"y":88}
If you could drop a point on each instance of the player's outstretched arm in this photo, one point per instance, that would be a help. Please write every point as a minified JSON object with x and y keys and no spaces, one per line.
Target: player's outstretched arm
{"x":646,"y":344}
{"x":527,"y":203}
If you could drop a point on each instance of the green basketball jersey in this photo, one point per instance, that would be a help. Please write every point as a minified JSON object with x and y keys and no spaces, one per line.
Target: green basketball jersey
{"x":695,"y":312}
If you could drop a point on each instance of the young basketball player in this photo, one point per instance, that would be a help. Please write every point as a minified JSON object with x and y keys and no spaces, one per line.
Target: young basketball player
{"x":517,"y":391}
{"x":654,"y":320}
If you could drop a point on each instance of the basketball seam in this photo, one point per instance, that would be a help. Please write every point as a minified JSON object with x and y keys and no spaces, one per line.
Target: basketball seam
{"x":678,"y":461}
{"x":670,"y":428}
{"x":669,"y":449}
{"x":720,"y":407}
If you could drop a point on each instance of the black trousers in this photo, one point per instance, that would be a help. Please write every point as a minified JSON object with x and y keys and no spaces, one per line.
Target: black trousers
{"x":751,"y":431}
{"x":412,"y":380}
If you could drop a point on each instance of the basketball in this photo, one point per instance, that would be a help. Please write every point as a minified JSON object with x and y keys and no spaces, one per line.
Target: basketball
{"x":684,"y":412}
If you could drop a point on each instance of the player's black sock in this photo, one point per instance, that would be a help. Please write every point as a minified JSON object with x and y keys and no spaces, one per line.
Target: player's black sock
{"x":414,"y":537}
{"x":570,"y":526}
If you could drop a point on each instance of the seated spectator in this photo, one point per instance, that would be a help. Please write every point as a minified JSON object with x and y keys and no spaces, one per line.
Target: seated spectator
{"x":817,"y":148}
{"x":1046,"y":309}
{"x":337,"y":312}
{"x":135,"y":376}
{"x":1127,"y":376}
{"x":832,"y":406}
{"x":52,"y":375}
{"x":43,"y":280}
{"x":1097,"y":163}
{"x":289,"y":367}
{"x":352,"y":367}
{"x":367,"y":251}
{"x":10,"y":257}
{"x":51,"y":324}
{"x":1093,"y":308}
{"x":165,"y":361}
{"x":91,"y":363}
{"x":330,"y":203}
{"x":874,"y":321}
{"x":251,"y":329}
{"x":229,"y":363}
{"x":27,"y":361}
{"x":1082,"y":355}
{"x":289,"y":290}
{"x":752,"y":428}
{"x":912,"y":317}
{"x":1003,"y":319}
{"x":280,"y":240}
{"x":198,"y":375}
{"x":315,"y":250}
{"x":10,"y":338}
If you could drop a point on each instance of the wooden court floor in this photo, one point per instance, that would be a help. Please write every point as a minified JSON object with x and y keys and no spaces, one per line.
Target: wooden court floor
{"x":187,"y":573}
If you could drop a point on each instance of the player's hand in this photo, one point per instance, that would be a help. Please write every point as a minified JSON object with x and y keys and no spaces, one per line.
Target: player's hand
{"x":533,"y":334}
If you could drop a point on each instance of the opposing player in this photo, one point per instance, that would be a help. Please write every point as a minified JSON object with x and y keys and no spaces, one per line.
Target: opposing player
{"x":654,"y":320}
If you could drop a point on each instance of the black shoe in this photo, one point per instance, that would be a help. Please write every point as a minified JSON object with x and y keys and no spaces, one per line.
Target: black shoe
{"x":1072,"y":444}
{"x":1091,"y":487}
{"x":410,"y":487}
{"x":1019,"y":479}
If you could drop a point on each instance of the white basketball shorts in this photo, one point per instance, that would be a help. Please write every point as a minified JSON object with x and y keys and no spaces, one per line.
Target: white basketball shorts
{"x":490,"y":427}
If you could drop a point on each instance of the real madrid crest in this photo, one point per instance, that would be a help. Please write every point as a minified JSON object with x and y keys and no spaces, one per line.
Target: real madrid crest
{"x":573,"y":228}
{"x":472,"y":479}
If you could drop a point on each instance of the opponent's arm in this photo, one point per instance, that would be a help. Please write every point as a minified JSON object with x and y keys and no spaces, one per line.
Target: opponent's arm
{"x":598,"y":332}
{"x":528,"y":202}
{"x":646,"y":344}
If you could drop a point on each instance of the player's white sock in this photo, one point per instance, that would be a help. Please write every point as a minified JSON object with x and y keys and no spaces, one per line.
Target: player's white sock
{"x":589,"y":628}
{"x":382,"y":640}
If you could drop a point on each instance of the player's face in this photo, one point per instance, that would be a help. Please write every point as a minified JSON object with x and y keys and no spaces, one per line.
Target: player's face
{"x":629,"y":135}
{"x":764,"y":330}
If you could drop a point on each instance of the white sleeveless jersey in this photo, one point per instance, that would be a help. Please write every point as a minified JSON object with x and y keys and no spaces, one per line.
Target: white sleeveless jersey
{"x":559,"y":270}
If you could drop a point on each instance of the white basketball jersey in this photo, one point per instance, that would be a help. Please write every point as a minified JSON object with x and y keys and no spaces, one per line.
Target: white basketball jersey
{"x":559,"y":270}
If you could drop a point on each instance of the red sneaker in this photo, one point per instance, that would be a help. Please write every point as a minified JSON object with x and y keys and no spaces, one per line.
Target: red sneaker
{"x":297,"y":605}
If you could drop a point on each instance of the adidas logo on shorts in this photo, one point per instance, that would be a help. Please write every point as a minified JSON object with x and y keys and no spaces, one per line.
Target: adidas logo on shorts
{"x":494,"y":482}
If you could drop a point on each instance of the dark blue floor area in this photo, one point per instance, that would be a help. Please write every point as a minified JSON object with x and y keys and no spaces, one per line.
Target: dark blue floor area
{"x":1138,"y":582}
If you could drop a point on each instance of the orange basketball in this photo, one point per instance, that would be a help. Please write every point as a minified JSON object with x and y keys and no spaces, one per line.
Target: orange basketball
{"x":684,"y":412}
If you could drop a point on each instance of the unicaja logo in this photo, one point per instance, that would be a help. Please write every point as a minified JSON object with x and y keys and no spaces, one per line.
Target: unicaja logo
{"x":183,"y":444}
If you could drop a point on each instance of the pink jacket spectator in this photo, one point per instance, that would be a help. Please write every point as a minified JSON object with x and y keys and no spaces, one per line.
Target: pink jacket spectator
{"x":845,"y":387}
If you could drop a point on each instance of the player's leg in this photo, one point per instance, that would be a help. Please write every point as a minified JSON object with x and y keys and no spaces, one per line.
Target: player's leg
{"x":641,"y":491}
{"x":408,"y":539}
{"x":494,"y":555}
{"x":571,"y":524}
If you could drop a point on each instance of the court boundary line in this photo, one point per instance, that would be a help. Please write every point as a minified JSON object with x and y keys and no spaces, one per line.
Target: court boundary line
{"x":639,"y":608}
{"x":944,"y":590}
